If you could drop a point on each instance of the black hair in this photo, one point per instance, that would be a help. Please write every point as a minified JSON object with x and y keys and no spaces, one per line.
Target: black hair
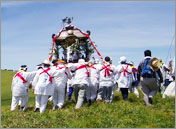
{"x":107,"y":59}
{"x":147,"y":53}
{"x":54,"y":61}
{"x":46,"y":65}
{"x":23,"y":66}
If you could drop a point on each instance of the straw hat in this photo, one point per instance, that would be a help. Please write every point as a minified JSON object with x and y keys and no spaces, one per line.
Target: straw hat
{"x":61,"y":61}
{"x":154,"y":64}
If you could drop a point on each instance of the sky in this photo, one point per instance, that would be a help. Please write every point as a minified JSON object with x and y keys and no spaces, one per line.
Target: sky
{"x":118,"y":28}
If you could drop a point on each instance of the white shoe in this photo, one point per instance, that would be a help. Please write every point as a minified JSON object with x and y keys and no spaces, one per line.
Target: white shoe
{"x":50,"y":98}
{"x":12,"y":110}
{"x":24,"y":109}
{"x":60,"y":105}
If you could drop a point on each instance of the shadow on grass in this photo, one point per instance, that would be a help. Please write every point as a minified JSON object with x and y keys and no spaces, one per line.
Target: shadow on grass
{"x":30,"y":109}
{"x":117,"y":98}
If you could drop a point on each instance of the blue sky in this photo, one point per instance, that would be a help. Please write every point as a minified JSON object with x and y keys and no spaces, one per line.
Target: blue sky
{"x":118,"y":29}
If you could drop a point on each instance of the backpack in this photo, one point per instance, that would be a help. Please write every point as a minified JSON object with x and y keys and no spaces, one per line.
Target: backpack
{"x":146,"y":71}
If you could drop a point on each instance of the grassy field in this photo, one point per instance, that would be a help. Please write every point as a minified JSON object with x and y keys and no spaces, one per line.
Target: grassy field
{"x":118,"y":114}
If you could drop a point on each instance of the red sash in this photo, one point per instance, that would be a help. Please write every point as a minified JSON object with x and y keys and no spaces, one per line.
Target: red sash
{"x":83,"y":66}
{"x":61,"y":68}
{"x":92,"y":67}
{"x":21,"y":77}
{"x":125,"y":71}
{"x":46,"y":71}
{"x":107,"y":70}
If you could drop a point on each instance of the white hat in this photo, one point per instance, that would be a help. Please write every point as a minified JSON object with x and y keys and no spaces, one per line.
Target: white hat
{"x":46,"y":62}
{"x":122,"y":59}
{"x":81,"y":61}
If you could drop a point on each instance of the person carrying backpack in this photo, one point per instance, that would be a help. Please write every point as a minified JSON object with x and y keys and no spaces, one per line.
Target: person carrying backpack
{"x":149,"y":76}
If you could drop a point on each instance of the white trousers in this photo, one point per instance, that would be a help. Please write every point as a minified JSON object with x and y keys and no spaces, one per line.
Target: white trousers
{"x":41,"y":102}
{"x":112,"y":95}
{"x":59,"y":96}
{"x":16,"y":99}
{"x":26,"y":100}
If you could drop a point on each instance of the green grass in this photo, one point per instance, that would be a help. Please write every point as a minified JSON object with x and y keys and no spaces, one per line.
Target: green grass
{"x":118,"y":114}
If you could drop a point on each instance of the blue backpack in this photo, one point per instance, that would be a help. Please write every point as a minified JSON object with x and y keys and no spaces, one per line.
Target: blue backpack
{"x":146,"y":71}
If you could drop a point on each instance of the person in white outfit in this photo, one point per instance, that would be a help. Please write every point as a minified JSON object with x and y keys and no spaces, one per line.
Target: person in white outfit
{"x":91,"y":91}
{"x":61,"y":76}
{"x":125,"y":77}
{"x":50,"y":98}
{"x":20,"y":88}
{"x":80,"y":82}
{"x":43,"y":85}
{"x":106,"y":81}
{"x":166,"y":77}
{"x":134,"y":86}
{"x":113,"y":87}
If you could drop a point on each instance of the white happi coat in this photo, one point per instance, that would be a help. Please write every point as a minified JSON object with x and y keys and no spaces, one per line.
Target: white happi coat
{"x":124,"y":79}
{"x":165,"y":73}
{"x":61,"y":75}
{"x":80,"y":76}
{"x":18,"y":87}
{"x":105,"y":79}
{"x":94,"y":75}
{"x":70,"y":80}
{"x":41,"y":83}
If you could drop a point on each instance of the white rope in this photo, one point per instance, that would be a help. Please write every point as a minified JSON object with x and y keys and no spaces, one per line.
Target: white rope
{"x":170,"y":49}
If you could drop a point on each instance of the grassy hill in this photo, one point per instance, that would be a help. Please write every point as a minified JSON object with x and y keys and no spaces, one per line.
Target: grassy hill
{"x":118,"y":114}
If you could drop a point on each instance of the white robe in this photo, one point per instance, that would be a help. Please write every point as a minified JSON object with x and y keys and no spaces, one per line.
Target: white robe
{"x":106,"y":80}
{"x":124,"y":81}
{"x":41,"y":83}
{"x":61,"y":76}
{"x":80,"y":76}
{"x":94,"y":75}
{"x":170,"y":90}
{"x":18,"y":87}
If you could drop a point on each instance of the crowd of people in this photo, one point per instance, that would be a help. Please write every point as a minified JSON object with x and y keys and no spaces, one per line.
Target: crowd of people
{"x":90,"y":81}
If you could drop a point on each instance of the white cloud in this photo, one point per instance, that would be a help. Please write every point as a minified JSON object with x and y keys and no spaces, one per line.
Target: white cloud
{"x":116,"y":29}
{"x":8,"y":4}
